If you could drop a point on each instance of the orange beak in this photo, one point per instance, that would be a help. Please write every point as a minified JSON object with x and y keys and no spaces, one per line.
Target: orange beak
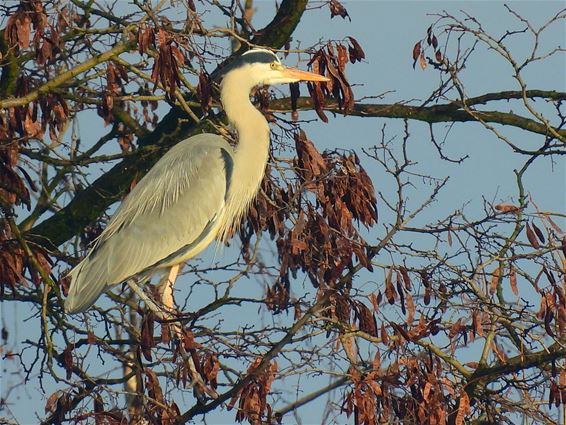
{"x":303,"y":75}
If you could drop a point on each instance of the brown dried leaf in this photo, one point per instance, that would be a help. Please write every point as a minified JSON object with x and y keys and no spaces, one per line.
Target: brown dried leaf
{"x":400,"y":291}
{"x":384,"y":336}
{"x":406,"y":278}
{"x":507,"y":208}
{"x":513,"y":280}
{"x":410,"y":308}
{"x":355,"y":51}
{"x":426,"y":390}
{"x":189,"y":341}
{"x":376,"y":388}
{"x":389,"y":289}
{"x":532,"y":237}
{"x":548,"y":317}
{"x":295,"y":93}
{"x":555,"y":226}
{"x":477,"y":323}
{"x":416,"y":52}
{"x":463,"y":408}
{"x":210,"y":369}
{"x":165,"y":333}
{"x":494,"y":280}
{"x":23,"y":29}
{"x":342,"y":58}
{"x":68,"y":360}
{"x":153,"y":387}
{"x":204,"y":90}
{"x":538,"y":233}
{"x":401,"y":331}
{"x":310,"y":161}
{"x":51,"y":403}
{"x":542,"y":309}
{"x":374,"y":302}
{"x":426,"y":298}
{"x":434,"y":42}
{"x":552,"y":396}
{"x":146,"y":340}
{"x":455,"y":328}
{"x":337,"y":9}
{"x":317,"y":97}
{"x":376,"y":362}
{"x":422,"y":61}
{"x":366,"y":320}
{"x":297,"y":311}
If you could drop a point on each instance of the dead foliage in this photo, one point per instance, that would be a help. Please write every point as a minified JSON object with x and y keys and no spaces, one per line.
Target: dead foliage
{"x":253,"y":405}
{"x":331,"y":61}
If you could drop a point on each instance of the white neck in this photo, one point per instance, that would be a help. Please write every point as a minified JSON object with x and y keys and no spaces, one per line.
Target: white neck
{"x":251,"y":154}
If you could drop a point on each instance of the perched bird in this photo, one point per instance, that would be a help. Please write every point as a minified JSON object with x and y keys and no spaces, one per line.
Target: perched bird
{"x":197,"y":192}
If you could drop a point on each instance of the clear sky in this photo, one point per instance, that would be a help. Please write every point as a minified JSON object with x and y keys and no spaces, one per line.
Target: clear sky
{"x":387,"y":32}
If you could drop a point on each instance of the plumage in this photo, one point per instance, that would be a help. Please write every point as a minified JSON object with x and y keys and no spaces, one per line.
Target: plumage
{"x":197,"y":192}
{"x":158,"y":218}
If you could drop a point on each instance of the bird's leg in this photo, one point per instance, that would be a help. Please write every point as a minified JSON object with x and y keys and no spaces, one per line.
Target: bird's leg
{"x":165,"y":288}
{"x":166,"y":313}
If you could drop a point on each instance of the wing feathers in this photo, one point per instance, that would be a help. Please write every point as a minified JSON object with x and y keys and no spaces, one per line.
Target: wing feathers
{"x":168,"y":210}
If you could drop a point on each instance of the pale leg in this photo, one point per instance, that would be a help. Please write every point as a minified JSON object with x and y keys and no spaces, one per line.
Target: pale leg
{"x":165,"y":288}
{"x":165,"y":291}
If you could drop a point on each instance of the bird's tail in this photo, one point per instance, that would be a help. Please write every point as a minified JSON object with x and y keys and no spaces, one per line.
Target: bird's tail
{"x":87,"y":284}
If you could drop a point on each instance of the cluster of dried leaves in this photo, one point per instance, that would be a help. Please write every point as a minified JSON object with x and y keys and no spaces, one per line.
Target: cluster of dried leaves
{"x":16,"y":263}
{"x":253,"y":405}
{"x":331,"y":61}
{"x":28,"y":31}
{"x":419,"y":50}
{"x":30,"y":18}
{"x":12,"y":259}
{"x":170,"y":58}
{"x":206,"y":363}
{"x":335,"y":195}
{"x":116,"y":79}
{"x":374,"y":397}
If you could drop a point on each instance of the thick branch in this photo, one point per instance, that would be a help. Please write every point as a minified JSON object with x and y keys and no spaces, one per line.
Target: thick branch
{"x":278,"y":31}
{"x":430,"y":114}
{"x":518,"y":363}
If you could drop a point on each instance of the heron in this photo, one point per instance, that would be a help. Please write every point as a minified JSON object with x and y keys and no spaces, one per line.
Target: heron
{"x":198,"y":192}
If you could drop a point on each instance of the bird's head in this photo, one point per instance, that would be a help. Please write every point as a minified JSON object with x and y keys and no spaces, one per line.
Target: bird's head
{"x":262,"y":67}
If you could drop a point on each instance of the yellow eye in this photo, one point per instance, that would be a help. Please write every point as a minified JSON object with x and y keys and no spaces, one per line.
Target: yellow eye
{"x":274,"y":65}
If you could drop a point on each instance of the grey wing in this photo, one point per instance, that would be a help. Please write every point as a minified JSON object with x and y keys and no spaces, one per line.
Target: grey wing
{"x":171,"y":209}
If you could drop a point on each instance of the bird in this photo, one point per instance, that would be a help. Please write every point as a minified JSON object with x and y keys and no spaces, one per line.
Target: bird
{"x":198,"y":192}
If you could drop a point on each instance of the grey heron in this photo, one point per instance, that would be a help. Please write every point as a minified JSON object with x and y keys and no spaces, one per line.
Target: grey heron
{"x":196,"y":193}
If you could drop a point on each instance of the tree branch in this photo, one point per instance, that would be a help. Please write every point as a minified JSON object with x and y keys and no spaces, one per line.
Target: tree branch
{"x":200,"y":409}
{"x":430,"y":114}
{"x":65,"y":76}
{"x":278,"y":31}
{"x":518,"y":363}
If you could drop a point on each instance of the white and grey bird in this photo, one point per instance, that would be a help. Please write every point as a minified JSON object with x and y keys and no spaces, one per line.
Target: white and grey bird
{"x":196,"y":193}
